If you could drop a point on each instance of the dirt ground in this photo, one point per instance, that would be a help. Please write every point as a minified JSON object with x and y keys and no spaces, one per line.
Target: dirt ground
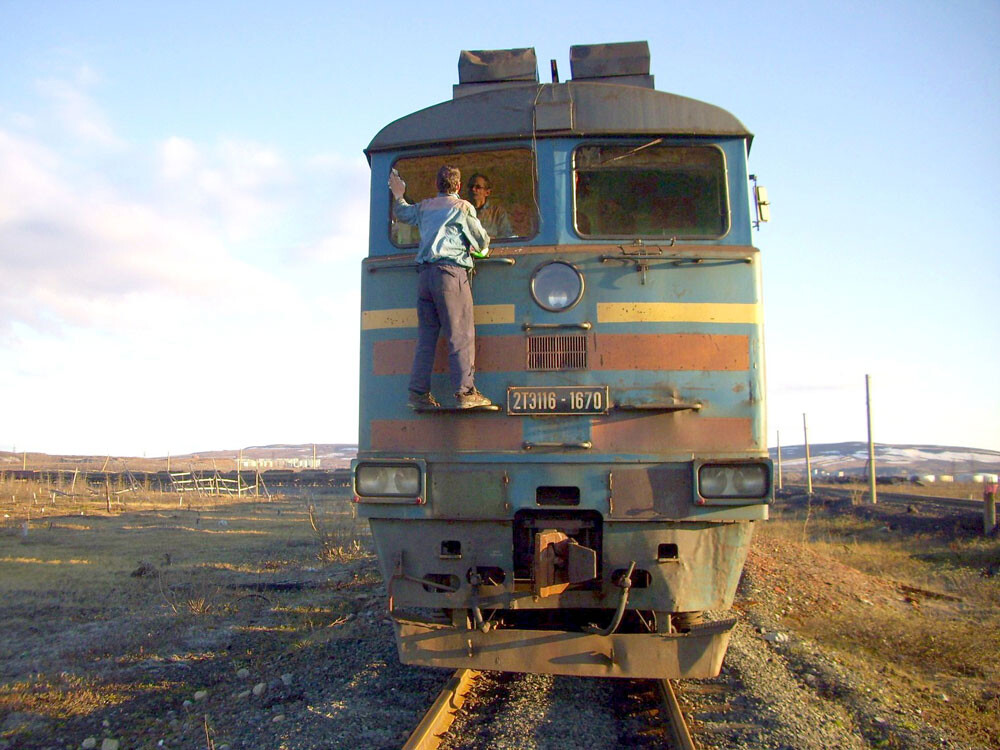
{"x":217,"y":625}
{"x":904,"y":599}
{"x":113,"y":623}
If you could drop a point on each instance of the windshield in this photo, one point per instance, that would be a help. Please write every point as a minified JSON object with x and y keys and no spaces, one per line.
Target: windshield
{"x":651,"y":190}
{"x":500,"y":184}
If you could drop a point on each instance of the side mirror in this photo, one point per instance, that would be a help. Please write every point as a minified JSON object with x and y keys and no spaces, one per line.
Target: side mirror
{"x":763,"y":204}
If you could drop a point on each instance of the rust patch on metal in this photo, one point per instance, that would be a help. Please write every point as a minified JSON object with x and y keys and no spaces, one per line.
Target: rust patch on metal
{"x":446,"y":432}
{"x":614,"y":351}
{"x":670,"y":351}
{"x":666,"y":433}
{"x":663,"y":490}
{"x":452,"y":488}
{"x":493,"y":354}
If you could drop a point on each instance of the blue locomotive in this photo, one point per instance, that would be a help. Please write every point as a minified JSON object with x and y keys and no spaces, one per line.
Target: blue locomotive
{"x":595,"y":521}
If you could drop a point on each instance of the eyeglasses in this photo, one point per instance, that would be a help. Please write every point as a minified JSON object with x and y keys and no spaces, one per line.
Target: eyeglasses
{"x":478,"y":187}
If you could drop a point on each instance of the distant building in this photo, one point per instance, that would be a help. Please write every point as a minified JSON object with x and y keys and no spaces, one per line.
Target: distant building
{"x":979,"y":478}
{"x":261,"y":464}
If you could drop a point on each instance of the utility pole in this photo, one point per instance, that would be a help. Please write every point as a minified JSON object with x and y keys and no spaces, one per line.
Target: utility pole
{"x":871,"y":445}
{"x":809,"y":473}
{"x":778,"y":438}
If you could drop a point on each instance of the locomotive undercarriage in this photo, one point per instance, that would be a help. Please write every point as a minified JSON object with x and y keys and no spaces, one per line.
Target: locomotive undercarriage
{"x":563,"y":592}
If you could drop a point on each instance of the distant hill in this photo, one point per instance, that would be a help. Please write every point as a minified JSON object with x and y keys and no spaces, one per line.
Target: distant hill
{"x":324,"y":451}
{"x":276,"y":456}
{"x":849,"y":458}
{"x":891,"y":459}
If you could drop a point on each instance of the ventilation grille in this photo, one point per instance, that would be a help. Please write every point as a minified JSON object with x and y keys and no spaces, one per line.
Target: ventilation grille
{"x":557,"y":352}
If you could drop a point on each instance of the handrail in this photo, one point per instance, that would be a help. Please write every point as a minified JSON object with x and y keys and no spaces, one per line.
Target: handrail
{"x":491,"y":259}
{"x":585,"y":445}
{"x":585,"y":326}
{"x":400,"y":264}
{"x":393,"y":266}
{"x":661,"y":406}
{"x":642,"y":260}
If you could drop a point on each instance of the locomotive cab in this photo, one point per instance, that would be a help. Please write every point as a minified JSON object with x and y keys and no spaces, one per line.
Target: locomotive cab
{"x":586,"y":522}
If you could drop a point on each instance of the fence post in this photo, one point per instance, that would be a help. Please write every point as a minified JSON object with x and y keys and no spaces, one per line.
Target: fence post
{"x":805,"y":440}
{"x":989,"y":507}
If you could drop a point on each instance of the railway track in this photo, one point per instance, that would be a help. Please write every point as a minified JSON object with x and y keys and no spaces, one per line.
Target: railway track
{"x":441,"y":714}
{"x":434,"y":726}
{"x":678,"y":727}
{"x":897,"y":498}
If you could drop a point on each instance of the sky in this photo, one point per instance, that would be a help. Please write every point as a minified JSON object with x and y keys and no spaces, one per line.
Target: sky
{"x":184,"y":204}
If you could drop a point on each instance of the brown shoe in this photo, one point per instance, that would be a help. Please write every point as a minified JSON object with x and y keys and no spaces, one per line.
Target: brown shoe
{"x":421,"y":401}
{"x":471,"y":399}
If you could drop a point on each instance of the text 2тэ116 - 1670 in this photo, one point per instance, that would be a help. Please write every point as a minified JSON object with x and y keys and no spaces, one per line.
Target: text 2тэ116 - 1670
{"x":559,"y":399}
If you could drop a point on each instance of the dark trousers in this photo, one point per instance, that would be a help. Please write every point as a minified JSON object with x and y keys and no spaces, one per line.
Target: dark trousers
{"x":444,"y":306}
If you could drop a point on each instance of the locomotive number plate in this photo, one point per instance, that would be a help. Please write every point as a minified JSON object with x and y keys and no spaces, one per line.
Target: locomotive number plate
{"x":558,"y":399}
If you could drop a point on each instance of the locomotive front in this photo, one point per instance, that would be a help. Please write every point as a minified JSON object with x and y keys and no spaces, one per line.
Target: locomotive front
{"x":585,"y":524}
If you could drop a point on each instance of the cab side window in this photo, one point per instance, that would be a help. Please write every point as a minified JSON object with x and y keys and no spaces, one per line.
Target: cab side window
{"x":504,"y":194}
{"x":651,"y":190}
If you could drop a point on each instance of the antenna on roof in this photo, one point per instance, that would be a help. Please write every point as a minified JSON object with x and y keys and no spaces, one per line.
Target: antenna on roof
{"x":555,"y":72}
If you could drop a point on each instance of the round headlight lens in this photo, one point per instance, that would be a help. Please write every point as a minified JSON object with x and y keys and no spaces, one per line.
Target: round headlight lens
{"x":713,"y":480}
{"x":750,"y":481}
{"x":388,"y":481}
{"x":556,"y":286}
{"x":744,"y":481}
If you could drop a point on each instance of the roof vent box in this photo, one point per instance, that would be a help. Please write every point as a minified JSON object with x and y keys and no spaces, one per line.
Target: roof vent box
{"x":622,"y":63}
{"x":495,"y":68}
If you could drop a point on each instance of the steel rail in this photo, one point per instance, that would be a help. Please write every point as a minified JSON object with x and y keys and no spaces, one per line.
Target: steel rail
{"x":682,"y":736}
{"x":956,"y":503}
{"x":887,"y":495}
{"x":441,"y":714}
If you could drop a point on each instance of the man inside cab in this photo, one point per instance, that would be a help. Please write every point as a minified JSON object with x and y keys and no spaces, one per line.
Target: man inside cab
{"x":490,"y":213}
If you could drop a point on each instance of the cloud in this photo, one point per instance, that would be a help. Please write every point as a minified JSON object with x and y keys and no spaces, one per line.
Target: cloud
{"x":70,"y":249}
{"x":179,"y":158}
{"x":339,"y":186}
{"x":26,"y":181}
{"x":77,"y":112}
{"x":237,"y":182}
{"x":174,"y":278}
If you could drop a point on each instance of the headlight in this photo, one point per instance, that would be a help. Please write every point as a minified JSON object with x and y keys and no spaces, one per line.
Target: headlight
{"x":387,"y":480}
{"x":733,"y":480}
{"x":556,"y":286}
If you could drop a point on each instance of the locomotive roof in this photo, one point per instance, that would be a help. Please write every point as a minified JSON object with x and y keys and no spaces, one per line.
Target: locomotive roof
{"x":574,"y":108}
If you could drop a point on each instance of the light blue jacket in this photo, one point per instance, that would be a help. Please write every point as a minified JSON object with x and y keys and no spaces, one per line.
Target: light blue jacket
{"x":448,"y":227}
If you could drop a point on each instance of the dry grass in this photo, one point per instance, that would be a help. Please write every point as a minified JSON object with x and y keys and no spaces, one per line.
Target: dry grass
{"x":91,"y":601}
{"x":65,"y":695}
{"x":341,"y":534}
{"x":39,"y":503}
{"x":936,"y":631}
